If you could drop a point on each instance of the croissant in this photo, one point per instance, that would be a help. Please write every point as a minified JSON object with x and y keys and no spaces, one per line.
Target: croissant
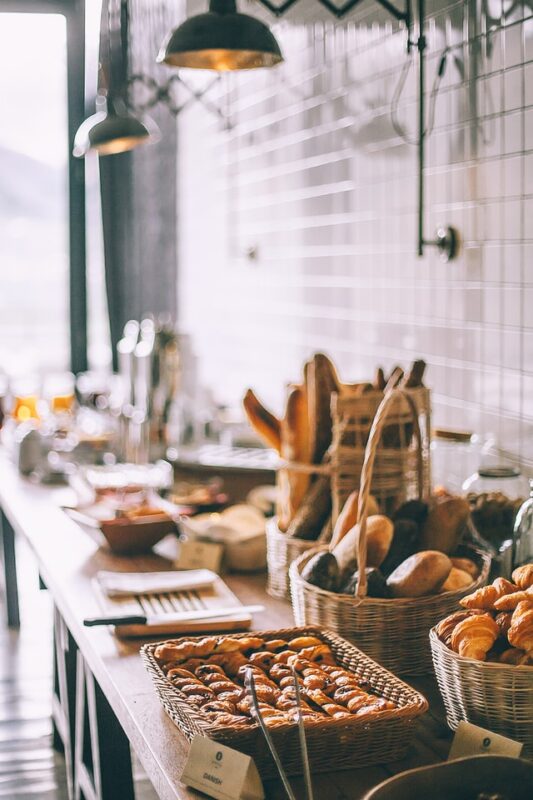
{"x":520,"y":633}
{"x":514,"y":656}
{"x":503,"y":621}
{"x":523,"y":576}
{"x":474,"y":636}
{"x":486,"y":596}
{"x":510,"y":601}
{"x":446,"y":627}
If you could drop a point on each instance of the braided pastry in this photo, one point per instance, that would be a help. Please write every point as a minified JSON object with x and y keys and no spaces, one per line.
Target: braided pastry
{"x":520,"y":633}
{"x":485,"y":597}
{"x":474,"y":636}
{"x":300,"y":642}
{"x":523,"y":576}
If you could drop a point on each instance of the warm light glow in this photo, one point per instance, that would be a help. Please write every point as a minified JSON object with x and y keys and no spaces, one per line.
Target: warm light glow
{"x":119,"y":145}
{"x":222,"y":60}
{"x":62,"y":402}
{"x":25,"y":408}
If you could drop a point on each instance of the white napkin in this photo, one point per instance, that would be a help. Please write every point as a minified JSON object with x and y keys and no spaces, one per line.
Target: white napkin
{"x":117,"y":584}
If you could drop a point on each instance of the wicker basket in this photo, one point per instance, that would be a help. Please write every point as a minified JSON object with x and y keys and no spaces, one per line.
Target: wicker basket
{"x":282,"y":550}
{"x":338,"y":744}
{"x":400,"y":460}
{"x":394,"y":632}
{"x":495,"y":696}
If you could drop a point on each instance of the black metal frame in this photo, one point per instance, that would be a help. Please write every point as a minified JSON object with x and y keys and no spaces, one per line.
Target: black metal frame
{"x":74,"y":13}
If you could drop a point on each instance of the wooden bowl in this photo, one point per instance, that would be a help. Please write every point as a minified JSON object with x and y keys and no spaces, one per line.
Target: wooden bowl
{"x":133,"y":537}
{"x":461,"y":779}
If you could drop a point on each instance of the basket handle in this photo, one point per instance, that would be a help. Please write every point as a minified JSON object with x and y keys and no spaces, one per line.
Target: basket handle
{"x":376,"y":430}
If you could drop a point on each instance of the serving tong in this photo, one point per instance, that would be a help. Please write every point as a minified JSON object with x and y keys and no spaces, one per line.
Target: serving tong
{"x":249,"y":683}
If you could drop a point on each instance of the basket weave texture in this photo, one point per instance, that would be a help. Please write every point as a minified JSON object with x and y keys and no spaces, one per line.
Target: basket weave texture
{"x":402,"y":459}
{"x":282,"y":550}
{"x":394,"y":632}
{"x":494,"y":696}
{"x":332,"y":744}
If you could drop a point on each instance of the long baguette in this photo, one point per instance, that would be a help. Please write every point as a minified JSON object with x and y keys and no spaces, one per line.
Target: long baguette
{"x":295,"y":447}
{"x":265,"y":424}
{"x":321,"y":382}
{"x":313,"y":512}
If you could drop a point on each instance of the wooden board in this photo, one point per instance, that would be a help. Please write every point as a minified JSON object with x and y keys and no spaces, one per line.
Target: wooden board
{"x":213,"y":597}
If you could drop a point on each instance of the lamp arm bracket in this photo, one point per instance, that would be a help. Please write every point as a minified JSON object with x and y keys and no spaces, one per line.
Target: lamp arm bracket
{"x":163,"y":93}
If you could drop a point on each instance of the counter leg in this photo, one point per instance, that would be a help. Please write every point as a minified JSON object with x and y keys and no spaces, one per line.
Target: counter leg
{"x":102,"y":768}
{"x":64,"y":697}
{"x":10,"y":572}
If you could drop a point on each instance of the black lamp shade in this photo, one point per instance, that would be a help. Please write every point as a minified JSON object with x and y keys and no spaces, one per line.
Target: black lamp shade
{"x":108,"y":132}
{"x":221,"y":39}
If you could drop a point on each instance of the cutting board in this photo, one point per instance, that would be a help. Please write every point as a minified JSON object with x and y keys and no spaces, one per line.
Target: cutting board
{"x":219,"y":595}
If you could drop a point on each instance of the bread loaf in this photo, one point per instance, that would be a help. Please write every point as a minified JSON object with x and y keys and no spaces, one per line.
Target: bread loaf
{"x":348,"y":516}
{"x":379,"y":532}
{"x":444,"y":524}
{"x":420,"y":574}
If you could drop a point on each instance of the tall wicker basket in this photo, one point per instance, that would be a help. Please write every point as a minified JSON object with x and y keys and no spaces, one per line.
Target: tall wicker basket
{"x":400,"y":462}
{"x":402,"y":459}
{"x":393,"y":632}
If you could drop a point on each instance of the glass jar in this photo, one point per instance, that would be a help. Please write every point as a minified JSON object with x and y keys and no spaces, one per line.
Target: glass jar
{"x":495,"y":494}
{"x":454,"y":456}
{"x":523,"y":532}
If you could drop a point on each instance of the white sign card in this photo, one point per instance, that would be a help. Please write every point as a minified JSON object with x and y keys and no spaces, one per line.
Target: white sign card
{"x":200,"y":555}
{"x":221,"y":772}
{"x":469,"y":740}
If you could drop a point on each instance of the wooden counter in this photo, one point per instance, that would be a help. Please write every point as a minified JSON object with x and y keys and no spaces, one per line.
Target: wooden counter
{"x":68,"y":558}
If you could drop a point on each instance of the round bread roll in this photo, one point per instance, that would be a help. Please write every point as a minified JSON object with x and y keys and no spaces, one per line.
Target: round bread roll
{"x":467,"y":565}
{"x":457,"y":579}
{"x":379,"y":533}
{"x":420,"y":574}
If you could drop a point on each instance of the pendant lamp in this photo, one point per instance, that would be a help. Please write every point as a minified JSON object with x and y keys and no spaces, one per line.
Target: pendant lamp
{"x":113,"y":129}
{"x":222,"y":39}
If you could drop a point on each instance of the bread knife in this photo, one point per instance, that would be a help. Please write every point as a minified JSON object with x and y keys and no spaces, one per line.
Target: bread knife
{"x":164,"y":619}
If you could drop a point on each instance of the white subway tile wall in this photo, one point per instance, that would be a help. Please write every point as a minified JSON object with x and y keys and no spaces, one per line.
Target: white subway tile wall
{"x":297,"y":223}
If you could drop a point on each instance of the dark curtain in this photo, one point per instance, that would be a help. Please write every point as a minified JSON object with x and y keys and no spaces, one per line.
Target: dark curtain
{"x":138,"y":188}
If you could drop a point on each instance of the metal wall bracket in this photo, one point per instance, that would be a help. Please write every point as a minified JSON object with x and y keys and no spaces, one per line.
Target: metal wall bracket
{"x":447,"y":238}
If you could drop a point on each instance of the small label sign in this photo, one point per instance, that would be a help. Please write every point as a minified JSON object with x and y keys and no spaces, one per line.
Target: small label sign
{"x":199,"y":555}
{"x":469,"y":740}
{"x":221,"y":772}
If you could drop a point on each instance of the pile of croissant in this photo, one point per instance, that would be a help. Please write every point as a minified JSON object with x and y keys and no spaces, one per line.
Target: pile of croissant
{"x":303,"y":436}
{"x":210,"y":673}
{"x":497,"y":622}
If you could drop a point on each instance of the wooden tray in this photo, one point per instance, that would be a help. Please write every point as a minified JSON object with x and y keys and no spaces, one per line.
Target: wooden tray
{"x":219,"y":595}
{"x":332,"y":743}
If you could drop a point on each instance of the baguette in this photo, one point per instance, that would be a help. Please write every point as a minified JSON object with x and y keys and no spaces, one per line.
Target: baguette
{"x":308,"y":521}
{"x":264,"y":423}
{"x":294,"y":447}
{"x":321,"y":381}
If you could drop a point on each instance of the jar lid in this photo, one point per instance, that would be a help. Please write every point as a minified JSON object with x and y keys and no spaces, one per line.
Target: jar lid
{"x":452,"y":436}
{"x":499,"y":472}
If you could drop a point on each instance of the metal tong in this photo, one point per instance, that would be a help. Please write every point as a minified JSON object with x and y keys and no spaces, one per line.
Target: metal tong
{"x":250,"y":686}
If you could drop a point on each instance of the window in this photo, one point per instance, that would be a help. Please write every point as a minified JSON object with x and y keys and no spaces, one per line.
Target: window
{"x":34,"y":258}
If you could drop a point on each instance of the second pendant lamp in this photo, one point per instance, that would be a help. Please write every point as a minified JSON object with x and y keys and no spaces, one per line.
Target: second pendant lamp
{"x":222,"y":39}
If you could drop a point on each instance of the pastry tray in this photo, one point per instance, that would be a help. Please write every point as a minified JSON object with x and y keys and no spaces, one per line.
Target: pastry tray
{"x":332,"y":743}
